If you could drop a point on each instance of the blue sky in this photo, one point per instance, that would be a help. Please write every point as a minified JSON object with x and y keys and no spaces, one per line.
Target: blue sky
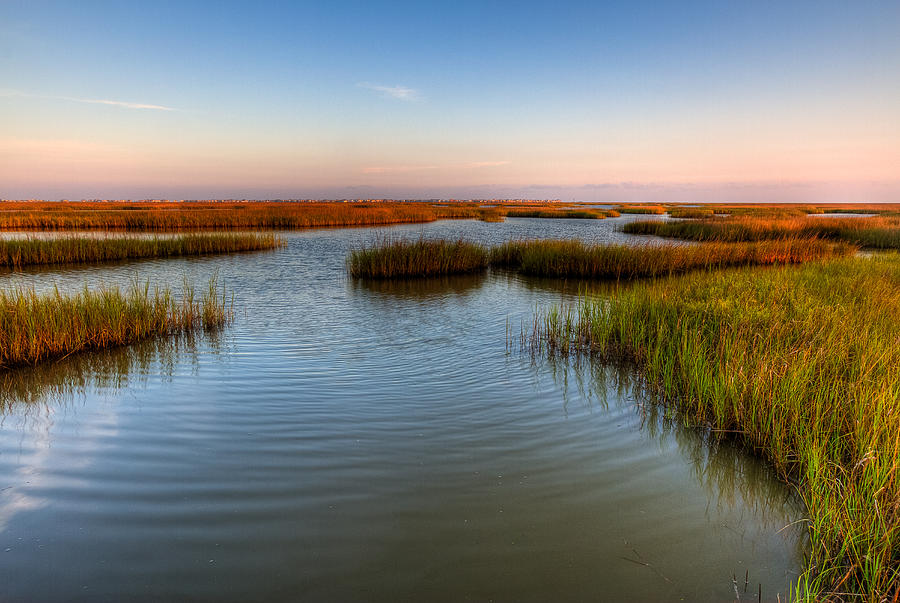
{"x":766,"y":101}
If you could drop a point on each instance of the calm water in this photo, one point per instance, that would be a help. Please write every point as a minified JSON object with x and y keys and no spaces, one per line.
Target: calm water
{"x":370,"y":442}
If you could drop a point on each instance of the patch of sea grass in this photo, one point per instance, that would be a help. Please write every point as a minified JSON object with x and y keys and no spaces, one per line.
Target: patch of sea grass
{"x":582,"y":214}
{"x":490,"y":214}
{"x":34,"y":327}
{"x":691,"y":212}
{"x":879,"y":232}
{"x":572,"y":258}
{"x":393,"y":259}
{"x":641,"y":209}
{"x":15,"y":253}
{"x":575,"y":259}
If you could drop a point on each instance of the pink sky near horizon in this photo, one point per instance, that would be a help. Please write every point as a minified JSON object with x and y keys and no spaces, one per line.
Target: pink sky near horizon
{"x":73,"y":168}
{"x":694,"y":102}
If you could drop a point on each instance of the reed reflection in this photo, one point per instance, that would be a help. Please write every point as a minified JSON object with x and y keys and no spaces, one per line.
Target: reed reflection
{"x":570,"y":287}
{"x":420,"y":289}
{"x":730,"y":474}
{"x":63,"y":381}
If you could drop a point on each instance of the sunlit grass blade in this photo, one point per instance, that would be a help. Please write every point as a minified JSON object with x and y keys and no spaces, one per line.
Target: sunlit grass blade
{"x":37,"y":327}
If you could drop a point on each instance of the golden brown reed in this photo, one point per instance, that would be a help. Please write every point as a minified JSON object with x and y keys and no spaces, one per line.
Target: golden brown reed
{"x":174,"y":216}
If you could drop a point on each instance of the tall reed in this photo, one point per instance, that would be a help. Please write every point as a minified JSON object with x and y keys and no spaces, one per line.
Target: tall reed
{"x":583,"y":214}
{"x":641,"y":209}
{"x":882,"y":232}
{"x":391,"y":259}
{"x":15,"y":253}
{"x":691,"y":212}
{"x":36,"y":327}
{"x":172,"y":216}
{"x":803,"y":363}
{"x":572,"y":258}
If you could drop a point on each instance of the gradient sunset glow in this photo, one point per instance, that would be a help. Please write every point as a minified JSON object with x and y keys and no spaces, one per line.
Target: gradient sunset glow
{"x":795,"y":101}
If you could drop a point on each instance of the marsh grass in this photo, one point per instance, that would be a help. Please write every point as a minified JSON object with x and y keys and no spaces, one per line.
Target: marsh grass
{"x":800,"y":363}
{"x":582,"y":214}
{"x":392,"y":259}
{"x":572,"y":258}
{"x":641,"y":209}
{"x":175,"y":216}
{"x":491,"y":214}
{"x":880,"y":232}
{"x":691,"y":212}
{"x":34,"y":328}
{"x":15,"y":253}
{"x":279,"y":215}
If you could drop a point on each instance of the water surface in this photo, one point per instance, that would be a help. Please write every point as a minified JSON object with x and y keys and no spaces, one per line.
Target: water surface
{"x":373,"y":441}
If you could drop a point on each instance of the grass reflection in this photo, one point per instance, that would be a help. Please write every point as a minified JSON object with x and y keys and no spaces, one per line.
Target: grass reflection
{"x":730,"y":474}
{"x":421,"y":289}
{"x":134,"y":366}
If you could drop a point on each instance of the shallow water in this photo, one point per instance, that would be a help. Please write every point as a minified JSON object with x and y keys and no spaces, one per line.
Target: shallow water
{"x":368,"y":441}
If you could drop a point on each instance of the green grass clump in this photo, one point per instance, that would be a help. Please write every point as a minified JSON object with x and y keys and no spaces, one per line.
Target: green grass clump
{"x":804,"y":364}
{"x":581,"y":214}
{"x":490,"y":214}
{"x":691,"y":212}
{"x":572,"y":258}
{"x":575,"y":259}
{"x":36,"y":327}
{"x":641,"y":209}
{"x":15,"y":253}
{"x":881,"y":232}
{"x":392,"y":259}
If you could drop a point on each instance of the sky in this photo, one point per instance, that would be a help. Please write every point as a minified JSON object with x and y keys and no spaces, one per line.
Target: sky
{"x":764,"y":101}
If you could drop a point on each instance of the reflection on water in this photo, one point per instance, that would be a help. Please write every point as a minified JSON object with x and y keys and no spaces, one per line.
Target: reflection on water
{"x":421,"y":288}
{"x":737,"y":483}
{"x":730,"y":474}
{"x":35,"y":400}
{"x":464,"y":284}
{"x":61,"y":382}
{"x":367,"y":441}
{"x":565,"y":287}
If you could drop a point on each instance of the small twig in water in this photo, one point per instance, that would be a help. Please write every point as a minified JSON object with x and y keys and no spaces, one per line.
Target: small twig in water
{"x":790,"y":524}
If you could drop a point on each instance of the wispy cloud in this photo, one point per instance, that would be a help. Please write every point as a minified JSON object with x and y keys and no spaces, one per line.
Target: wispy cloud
{"x":397,"y":169}
{"x":396,"y":92}
{"x":484,"y":164}
{"x":126,"y":104}
{"x":92,"y":101}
